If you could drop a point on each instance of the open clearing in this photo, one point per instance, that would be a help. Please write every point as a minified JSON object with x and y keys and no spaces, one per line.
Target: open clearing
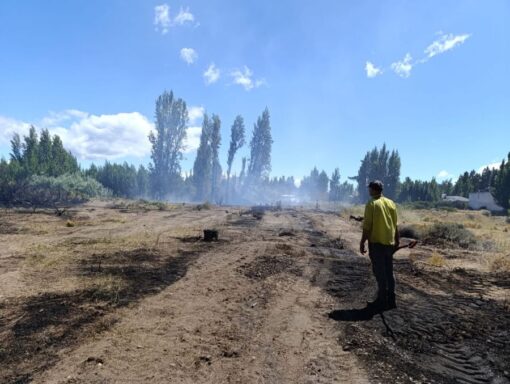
{"x":121,"y":293}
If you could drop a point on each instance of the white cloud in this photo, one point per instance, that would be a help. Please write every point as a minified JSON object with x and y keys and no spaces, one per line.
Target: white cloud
{"x":490,"y":166}
{"x":403,"y":67}
{"x":443,"y":174}
{"x":162,"y":18}
{"x":372,"y":70}
{"x":189,"y":55}
{"x":104,"y":137}
{"x":445,"y":43}
{"x":245,"y":79}
{"x":9,"y":126}
{"x":211,"y":74}
{"x":195,"y":114}
{"x":101,"y":137}
{"x":183,"y":17}
{"x":192,"y":139}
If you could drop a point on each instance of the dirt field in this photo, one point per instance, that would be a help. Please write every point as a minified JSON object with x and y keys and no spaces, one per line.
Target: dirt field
{"x":129,"y":293}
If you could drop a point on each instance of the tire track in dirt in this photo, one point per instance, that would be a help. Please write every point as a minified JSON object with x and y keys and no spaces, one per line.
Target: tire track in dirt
{"x":445,"y":333}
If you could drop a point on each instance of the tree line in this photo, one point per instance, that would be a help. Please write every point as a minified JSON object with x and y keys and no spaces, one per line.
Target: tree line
{"x":40,"y":163}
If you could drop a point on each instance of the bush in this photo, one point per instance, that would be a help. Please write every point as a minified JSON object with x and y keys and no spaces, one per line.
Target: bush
{"x":45,"y":191}
{"x":436,"y":260}
{"x":451,"y":233}
{"x":205,"y":206}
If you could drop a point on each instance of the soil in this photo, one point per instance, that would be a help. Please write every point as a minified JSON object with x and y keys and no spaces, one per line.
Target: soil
{"x":251,"y":307}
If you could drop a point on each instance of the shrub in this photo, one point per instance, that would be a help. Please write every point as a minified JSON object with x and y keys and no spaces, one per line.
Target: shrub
{"x":45,"y":191}
{"x":206,"y":206}
{"x":70,"y":223}
{"x":436,"y":260}
{"x":486,"y":212}
{"x":451,"y":233}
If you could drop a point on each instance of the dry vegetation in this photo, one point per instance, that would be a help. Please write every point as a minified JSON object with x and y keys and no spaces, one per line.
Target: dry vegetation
{"x":127,"y":291}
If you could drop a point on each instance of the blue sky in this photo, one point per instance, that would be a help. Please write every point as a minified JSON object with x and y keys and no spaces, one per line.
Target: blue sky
{"x":334,"y":75}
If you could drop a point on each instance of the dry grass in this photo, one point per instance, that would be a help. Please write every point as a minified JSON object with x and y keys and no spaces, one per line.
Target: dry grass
{"x":436,"y":260}
{"x":499,"y":263}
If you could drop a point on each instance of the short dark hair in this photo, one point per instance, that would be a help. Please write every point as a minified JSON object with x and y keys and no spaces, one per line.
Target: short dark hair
{"x":376,"y":185}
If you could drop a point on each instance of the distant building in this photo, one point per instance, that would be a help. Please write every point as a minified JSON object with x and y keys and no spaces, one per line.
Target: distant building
{"x":484,"y":200}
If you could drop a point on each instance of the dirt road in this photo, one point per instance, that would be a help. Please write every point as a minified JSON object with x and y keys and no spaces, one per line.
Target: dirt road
{"x":252,"y":308}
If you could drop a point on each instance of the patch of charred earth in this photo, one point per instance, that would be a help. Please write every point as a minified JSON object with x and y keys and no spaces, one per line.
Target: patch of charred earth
{"x":445,"y":331}
{"x":33,"y":330}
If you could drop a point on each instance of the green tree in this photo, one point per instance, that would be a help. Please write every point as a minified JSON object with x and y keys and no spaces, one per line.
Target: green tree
{"x":215,"y":158}
{"x":236,"y":142}
{"x":202,"y":168}
{"x":167,"y":144}
{"x":379,"y":165}
{"x":334,"y":186}
{"x":260,"y":149}
{"x":16,"y":148}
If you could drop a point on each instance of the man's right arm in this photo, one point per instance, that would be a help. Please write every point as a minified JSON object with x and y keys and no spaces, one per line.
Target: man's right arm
{"x":395,"y":221}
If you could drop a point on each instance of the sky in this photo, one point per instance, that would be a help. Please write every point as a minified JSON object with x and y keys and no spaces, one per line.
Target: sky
{"x":429,"y":78}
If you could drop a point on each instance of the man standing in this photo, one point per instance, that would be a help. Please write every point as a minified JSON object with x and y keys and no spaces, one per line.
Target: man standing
{"x":380,"y":229}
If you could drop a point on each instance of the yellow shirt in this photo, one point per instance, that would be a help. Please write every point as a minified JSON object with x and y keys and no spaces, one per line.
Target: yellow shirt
{"x":380,"y":220}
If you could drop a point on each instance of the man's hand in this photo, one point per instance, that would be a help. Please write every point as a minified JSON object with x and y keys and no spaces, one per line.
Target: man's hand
{"x":362,"y":247}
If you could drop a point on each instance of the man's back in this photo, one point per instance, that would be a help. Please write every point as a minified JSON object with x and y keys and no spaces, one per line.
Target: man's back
{"x":381,"y":220}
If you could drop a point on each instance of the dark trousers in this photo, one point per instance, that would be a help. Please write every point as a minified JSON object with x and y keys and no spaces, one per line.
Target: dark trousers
{"x":381,"y":257}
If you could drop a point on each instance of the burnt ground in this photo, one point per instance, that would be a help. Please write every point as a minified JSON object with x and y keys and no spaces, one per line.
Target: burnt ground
{"x":250,"y":308}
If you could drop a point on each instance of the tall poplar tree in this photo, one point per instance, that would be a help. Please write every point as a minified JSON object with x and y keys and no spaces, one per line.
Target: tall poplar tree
{"x":236,"y":142}
{"x":167,"y":144}
{"x":260,"y":149}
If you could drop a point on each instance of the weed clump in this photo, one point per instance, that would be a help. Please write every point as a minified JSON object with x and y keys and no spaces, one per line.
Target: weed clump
{"x":70,"y":224}
{"x":204,"y":206}
{"x":436,"y":260}
{"x":450,"y":234}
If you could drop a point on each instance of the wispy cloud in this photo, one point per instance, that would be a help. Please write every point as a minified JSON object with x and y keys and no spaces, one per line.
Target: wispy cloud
{"x":211,"y":74}
{"x":245,"y":79}
{"x":372,"y":70}
{"x":163,"y":19}
{"x":443,"y":174}
{"x":184,"y":17}
{"x":403,"y":67}
{"x":445,"y":43}
{"x":189,"y":55}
